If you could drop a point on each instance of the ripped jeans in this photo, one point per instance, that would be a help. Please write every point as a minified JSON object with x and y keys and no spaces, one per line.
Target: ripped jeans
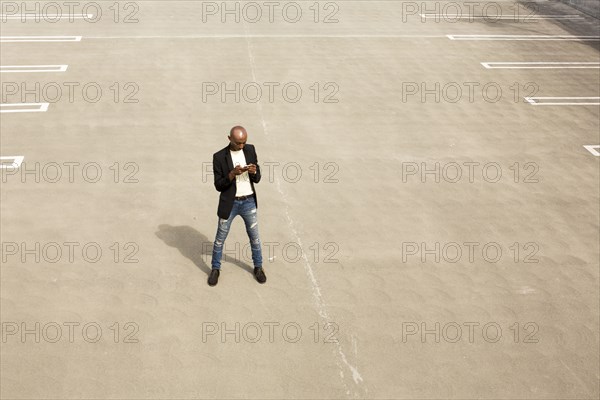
{"x":247,"y":209}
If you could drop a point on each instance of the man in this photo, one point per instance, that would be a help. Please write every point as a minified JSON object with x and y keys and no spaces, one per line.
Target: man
{"x":236,"y":171}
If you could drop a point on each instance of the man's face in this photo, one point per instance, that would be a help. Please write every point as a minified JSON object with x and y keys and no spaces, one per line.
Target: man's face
{"x":237,"y":142}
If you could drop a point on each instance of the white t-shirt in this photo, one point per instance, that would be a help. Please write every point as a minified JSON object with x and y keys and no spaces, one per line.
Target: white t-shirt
{"x":242,"y":182}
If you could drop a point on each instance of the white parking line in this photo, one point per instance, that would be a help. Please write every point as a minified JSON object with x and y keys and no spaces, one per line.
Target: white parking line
{"x":8,"y":39}
{"x":16,"y":162}
{"x":46,"y":17}
{"x":266,"y":36}
{"x":33,"y":68}
{"x":522,"y":37}
{"x":563,"y":101}
{"x":540,"y":64}
{"x":499,"y":17}
{"x":23,"y":107}
{"x":593,"y":148}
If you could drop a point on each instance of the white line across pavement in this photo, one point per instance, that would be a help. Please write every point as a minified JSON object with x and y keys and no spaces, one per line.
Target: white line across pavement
{"x":33,"y":68}
{"x":12,"y":39}
{"x":23,"y":107}
{"x":563,"y":101}
{"x":540,"y":64}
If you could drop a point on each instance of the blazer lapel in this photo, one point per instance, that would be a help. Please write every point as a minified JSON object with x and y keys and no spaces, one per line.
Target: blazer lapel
{"x":228,"y":158}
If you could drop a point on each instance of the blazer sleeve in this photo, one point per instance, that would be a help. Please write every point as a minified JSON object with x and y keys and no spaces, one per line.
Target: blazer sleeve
{"x":222,"y":182}
{"x":256,"y":177}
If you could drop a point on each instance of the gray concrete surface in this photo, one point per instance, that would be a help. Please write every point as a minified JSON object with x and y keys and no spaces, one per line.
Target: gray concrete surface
{"x":591,"y":7}
{"x":518,"y":324}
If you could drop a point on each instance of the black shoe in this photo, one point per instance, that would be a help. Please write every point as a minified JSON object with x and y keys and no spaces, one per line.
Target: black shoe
{"x":260,"y":275}
{"x":214,"y":277}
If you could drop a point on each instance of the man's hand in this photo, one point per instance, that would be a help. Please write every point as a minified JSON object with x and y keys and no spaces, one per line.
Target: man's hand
{"x":252,"y":169}
{"x":238,"y":170}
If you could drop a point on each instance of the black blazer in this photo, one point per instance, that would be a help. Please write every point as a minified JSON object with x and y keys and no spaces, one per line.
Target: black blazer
{"x":222,"y":165}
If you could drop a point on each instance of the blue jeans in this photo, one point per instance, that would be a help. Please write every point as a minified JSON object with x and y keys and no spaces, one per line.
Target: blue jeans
{"x":247,"y":209}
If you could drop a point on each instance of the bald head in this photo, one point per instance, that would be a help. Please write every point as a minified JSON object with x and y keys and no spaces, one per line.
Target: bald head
{"x":238,"y":131}
{"x":237,"y":138}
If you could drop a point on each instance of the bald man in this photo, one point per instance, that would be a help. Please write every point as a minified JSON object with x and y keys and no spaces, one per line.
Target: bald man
{"x":236,"y":171}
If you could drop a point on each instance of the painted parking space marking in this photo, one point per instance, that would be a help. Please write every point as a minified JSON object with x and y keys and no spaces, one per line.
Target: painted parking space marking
{"x":32,"y":68}
{"x":516,"y":18}
{"x":23,"y":107}
{"x":15,"y":162}
{"x":563,"y":101}
{"x":45,"y":17}
{"x":19,"y":39}
{"x":539,"y":65}
{"x":268,"y":35}
{"x":523,"y":37}
{"x":593,"y":148}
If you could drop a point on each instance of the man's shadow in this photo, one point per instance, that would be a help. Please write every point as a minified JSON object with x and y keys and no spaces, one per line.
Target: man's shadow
{"x":196,"y":246}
